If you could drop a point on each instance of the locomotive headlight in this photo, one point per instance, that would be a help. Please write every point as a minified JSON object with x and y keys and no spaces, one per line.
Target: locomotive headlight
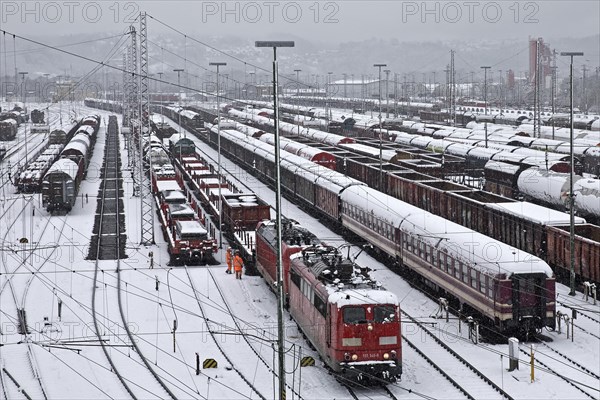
{"x":394,"y":354}
{"x":354,"y":357}
{"x":386,"y":356}
{"x":347,"y":356}
{"x":370,"y":327}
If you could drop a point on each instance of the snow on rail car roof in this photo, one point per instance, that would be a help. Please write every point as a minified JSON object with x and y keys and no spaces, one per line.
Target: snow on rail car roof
{"x":349,"y":297}
{"x":294,"y":163}
{"x":480,"y":251}
{"x":86,"y":129}
{"x":181,"y":210}
{"x":167,"y":185}
{"x":174,"y":196}
{"x":83,"y":138}
{"x":536,"y":213}
{"x":65,"y":166}
{"x":177,"y":137}
{"x":587,"y":195}
{"x":78,"y":146}
{"x":387,"y":155}
{"x":503,"y":167}
{"x":189,"y":114}
{"x":191,"y":228}
{"x":545,"y":185}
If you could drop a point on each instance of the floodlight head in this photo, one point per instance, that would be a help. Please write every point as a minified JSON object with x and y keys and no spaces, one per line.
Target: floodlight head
{"x":274,"y":43}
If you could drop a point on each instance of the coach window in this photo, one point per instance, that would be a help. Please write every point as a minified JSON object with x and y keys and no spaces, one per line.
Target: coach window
{"x":465,"y":273}
{"x":355,"y":315}
{"x":320,"y":305}
{"x":474,"y":278}
{"x":457,"y":268}
{"x":295,"y":278}
{"x":482,"y":285}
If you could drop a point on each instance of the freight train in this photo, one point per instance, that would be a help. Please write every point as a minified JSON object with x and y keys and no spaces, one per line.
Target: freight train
{"x":188,"y":240}
{"x":516,"y":140}
{"x":61,"y":182}
{"x":526,"y":226}
{"x":534,"y":229}
{"x":519,"y":163}
{"x":510,"y":289}
{"x":30,"y":179}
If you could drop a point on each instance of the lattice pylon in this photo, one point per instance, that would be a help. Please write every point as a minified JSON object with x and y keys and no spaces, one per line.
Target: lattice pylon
{"x":146,"y":200}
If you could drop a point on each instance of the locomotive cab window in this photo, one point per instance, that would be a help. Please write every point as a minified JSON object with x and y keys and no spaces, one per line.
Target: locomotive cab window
{"x":355,"y":315}
{"x":384,"y":314}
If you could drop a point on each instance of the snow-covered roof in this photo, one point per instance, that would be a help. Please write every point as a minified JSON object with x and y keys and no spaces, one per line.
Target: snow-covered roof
{"x":179,"y":210}
{"x":551,"y":187}
{"x":174,"y":196}
{"x":77,"y":146}
{"x":165,"y":185}
{"x":191,"y":228}
{"x":503,"y":167}
{"x":356,"y":297}
{"x":587,"y":195}
{"x":536,"y":213}
{"x":480,"y":251}
{"x":64,"y":166}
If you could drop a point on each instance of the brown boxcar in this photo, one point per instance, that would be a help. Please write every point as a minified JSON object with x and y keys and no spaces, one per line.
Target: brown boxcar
{"x":587,"y":251}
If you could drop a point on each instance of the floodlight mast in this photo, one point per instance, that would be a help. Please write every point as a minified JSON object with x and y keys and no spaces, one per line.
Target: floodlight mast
{"x":280,"y":294}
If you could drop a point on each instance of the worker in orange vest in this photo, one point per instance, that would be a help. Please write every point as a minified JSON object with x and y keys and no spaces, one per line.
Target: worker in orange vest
{"x":228,"y":259}
{"x":238,"y":264}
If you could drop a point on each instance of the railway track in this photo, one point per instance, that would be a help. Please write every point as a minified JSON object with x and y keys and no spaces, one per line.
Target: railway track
{"x":455,"y":368}
{"x":371,"y":393}
{"x":246,"y":338}
{"x":108,"y":232}
{"x":209,"y":322}
{"x":585,"y":382}
{"x":21,"y":358}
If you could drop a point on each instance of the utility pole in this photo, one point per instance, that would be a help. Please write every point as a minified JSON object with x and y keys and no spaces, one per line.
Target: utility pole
{"x":179,"y":71}
{"x":584,"y":94}
{"x":571,"y":194}
{"x":447,"y":94}
{"x":327,"y":109}
{"x":452,"y":89}
{"x":485,"y":69}
{"x":23,"y":97}
{"x":380,"y":127}
{"x":553,"y":89}
{"x":297,"y":71}
{"x":395,"y":95}
{"x":536,"y":92}
{"x":387,"y":93}
{"x":162,"y":117}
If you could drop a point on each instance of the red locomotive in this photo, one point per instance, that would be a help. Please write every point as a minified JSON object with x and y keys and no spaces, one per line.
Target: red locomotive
{"x":352,"y":322}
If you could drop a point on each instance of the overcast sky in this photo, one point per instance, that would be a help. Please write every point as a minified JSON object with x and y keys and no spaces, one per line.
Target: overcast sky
{"x":332,"y":21}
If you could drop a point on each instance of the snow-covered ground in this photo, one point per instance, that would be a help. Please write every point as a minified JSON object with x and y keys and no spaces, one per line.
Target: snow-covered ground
{"x":71,"y":365}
